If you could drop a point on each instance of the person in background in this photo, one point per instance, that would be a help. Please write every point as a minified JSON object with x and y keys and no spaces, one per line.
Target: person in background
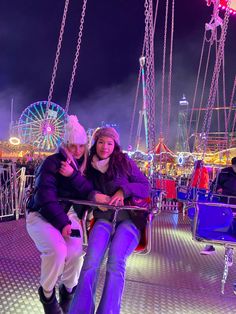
{"x":200,"y":178}
{"x":226,"y":182}
{"x":200,"y":185}
{"x":50,"y":222}
{"x":116,"y":179}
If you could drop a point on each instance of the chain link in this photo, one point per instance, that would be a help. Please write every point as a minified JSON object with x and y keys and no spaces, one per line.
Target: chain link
{"x":76,"y":56}
{"x":170,"y":71}
{"x":58,"y":51}
{"x":163,"y":68}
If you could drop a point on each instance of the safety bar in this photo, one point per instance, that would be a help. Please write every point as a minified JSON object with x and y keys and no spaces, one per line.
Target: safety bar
{"x":116,"y":210}
{"x":112,"y":207}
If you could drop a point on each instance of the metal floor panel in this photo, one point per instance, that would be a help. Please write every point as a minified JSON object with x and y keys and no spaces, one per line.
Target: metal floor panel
{"x":173,"y":279}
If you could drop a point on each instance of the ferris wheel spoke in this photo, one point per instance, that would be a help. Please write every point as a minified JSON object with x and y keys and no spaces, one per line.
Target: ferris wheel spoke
{"x":56,"y":138}
{"x":33,"y":114}
{"x":54,"y":142}
{"x":39,"y":114}
{"x":27,"y":117}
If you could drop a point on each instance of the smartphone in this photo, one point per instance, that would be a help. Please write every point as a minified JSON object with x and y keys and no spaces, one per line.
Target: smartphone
{"x":75,"y":233}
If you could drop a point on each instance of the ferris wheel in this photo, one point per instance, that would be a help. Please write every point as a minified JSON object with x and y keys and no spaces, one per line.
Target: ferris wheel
{"x":41,"y":130}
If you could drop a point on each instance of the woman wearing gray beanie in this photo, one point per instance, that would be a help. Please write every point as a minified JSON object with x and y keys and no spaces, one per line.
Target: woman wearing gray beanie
{"x":50,"y":222}
{"x":116,"y":179}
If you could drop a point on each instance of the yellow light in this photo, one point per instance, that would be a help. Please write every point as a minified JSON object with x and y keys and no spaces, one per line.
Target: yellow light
{"x":14,"y":140}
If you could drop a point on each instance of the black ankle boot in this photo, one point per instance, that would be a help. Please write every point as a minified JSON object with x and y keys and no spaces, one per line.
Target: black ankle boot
{"x":51,"y":305}
{"x":65,"y":298}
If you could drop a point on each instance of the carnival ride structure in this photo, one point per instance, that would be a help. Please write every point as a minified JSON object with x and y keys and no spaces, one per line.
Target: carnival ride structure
{"x":212,"y":119}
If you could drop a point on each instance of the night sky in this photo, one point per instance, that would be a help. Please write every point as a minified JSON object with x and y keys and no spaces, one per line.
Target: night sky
{"x":112,"y":41}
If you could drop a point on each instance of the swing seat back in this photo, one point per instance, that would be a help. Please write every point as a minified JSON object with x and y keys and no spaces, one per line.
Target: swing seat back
{"x":213,"y":223}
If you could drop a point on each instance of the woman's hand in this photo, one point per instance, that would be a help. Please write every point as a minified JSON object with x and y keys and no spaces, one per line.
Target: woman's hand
{"x":66,"y":170}
{"x":117,"y":199}
{"x":102,"y":198}
{"x":66,"y":231}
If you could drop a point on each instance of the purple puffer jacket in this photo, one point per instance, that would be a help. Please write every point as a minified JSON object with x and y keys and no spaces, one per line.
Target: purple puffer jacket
{"x":50,"y":186}
{"x":134,"y":184}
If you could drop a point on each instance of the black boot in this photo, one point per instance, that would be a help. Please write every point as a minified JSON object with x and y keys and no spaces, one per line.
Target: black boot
{"x":65,"y":298}
{"x":51,"y":305}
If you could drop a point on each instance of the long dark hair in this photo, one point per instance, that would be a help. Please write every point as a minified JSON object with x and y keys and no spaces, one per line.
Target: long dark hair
{"x":118,"y":163}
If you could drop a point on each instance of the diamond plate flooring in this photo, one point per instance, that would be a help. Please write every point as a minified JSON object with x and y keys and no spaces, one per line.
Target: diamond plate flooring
{"x":173,"y":279}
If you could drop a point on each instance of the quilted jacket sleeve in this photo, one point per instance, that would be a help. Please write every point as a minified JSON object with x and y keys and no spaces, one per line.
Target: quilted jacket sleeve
{"x":137,"y":185}
{"x":46,"y":196}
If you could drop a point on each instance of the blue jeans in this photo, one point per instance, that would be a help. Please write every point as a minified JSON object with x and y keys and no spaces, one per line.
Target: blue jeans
{"x":122,"y":244}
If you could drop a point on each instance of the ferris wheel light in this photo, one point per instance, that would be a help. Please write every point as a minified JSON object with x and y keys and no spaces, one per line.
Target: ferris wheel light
{"x":14,"y":140}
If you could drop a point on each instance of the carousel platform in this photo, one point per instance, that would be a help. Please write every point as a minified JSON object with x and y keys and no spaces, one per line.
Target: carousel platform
{"x":173,"y":279}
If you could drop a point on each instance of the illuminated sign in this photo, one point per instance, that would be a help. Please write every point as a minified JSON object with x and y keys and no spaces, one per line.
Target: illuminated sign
{"x":14,"y":140}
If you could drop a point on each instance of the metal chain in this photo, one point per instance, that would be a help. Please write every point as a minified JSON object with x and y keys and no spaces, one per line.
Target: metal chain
{"x":203,"y":91}
{"x":147,"y":54}
{"x":151,"y":117}
{"x":54,"y":72}
{"x":163,"y":69}
{"x":196,"y":85}
{"x":134,"y":107}
{"x":170,"y":71}
{"x":76,"y":56}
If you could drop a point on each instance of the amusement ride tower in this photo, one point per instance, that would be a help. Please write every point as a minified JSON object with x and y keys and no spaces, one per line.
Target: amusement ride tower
{"x":182,"y":144}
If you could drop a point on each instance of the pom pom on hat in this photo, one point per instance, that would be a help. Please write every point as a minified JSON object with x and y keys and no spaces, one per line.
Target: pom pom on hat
{"x":74,"y":132}
{"x":105,"y":131}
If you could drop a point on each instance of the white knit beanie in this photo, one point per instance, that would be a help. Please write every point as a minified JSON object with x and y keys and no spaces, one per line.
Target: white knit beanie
{"x":74,"y":131}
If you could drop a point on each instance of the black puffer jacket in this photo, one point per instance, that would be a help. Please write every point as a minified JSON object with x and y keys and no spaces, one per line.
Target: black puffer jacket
{"x":134,"y":184}
{"x":227,"y":181}
{"x":50,"y":185}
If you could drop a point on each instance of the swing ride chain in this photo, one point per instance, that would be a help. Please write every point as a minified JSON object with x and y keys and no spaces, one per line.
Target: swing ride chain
{"x":76,"y":55}
{"x":163,"y":67}
{"x":150,"y":80}
{"x":214,"y":82}
{"x":54,"y":72}
{"x":135,"y":106}
{"x":147,"y":56}
{"x":149,"y":73}
{"x":146,"y":40}
{"x":170,"y":70}
{"x":152,"y":137}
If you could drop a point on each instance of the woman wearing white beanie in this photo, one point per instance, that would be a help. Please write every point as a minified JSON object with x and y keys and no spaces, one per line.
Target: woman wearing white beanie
{"x":50,"y":222}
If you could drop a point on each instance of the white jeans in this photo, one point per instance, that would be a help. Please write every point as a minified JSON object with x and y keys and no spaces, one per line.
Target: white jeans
{"x":59,"y":256}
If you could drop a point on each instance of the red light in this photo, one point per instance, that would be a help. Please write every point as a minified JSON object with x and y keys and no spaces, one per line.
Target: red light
{"x":223,"y":5}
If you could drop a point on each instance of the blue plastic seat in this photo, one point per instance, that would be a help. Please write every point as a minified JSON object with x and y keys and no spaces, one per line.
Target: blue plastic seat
{"x":215,"y":222}
{"x":184,"y":194}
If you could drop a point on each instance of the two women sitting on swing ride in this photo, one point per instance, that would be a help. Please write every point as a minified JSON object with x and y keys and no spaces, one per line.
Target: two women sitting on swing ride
{"x":106,"y":176}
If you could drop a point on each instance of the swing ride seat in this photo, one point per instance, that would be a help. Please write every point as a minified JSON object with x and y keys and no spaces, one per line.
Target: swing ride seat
{"x":144,"y":246}
{"x":214,"y":223}
{"x":184,"y":195}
